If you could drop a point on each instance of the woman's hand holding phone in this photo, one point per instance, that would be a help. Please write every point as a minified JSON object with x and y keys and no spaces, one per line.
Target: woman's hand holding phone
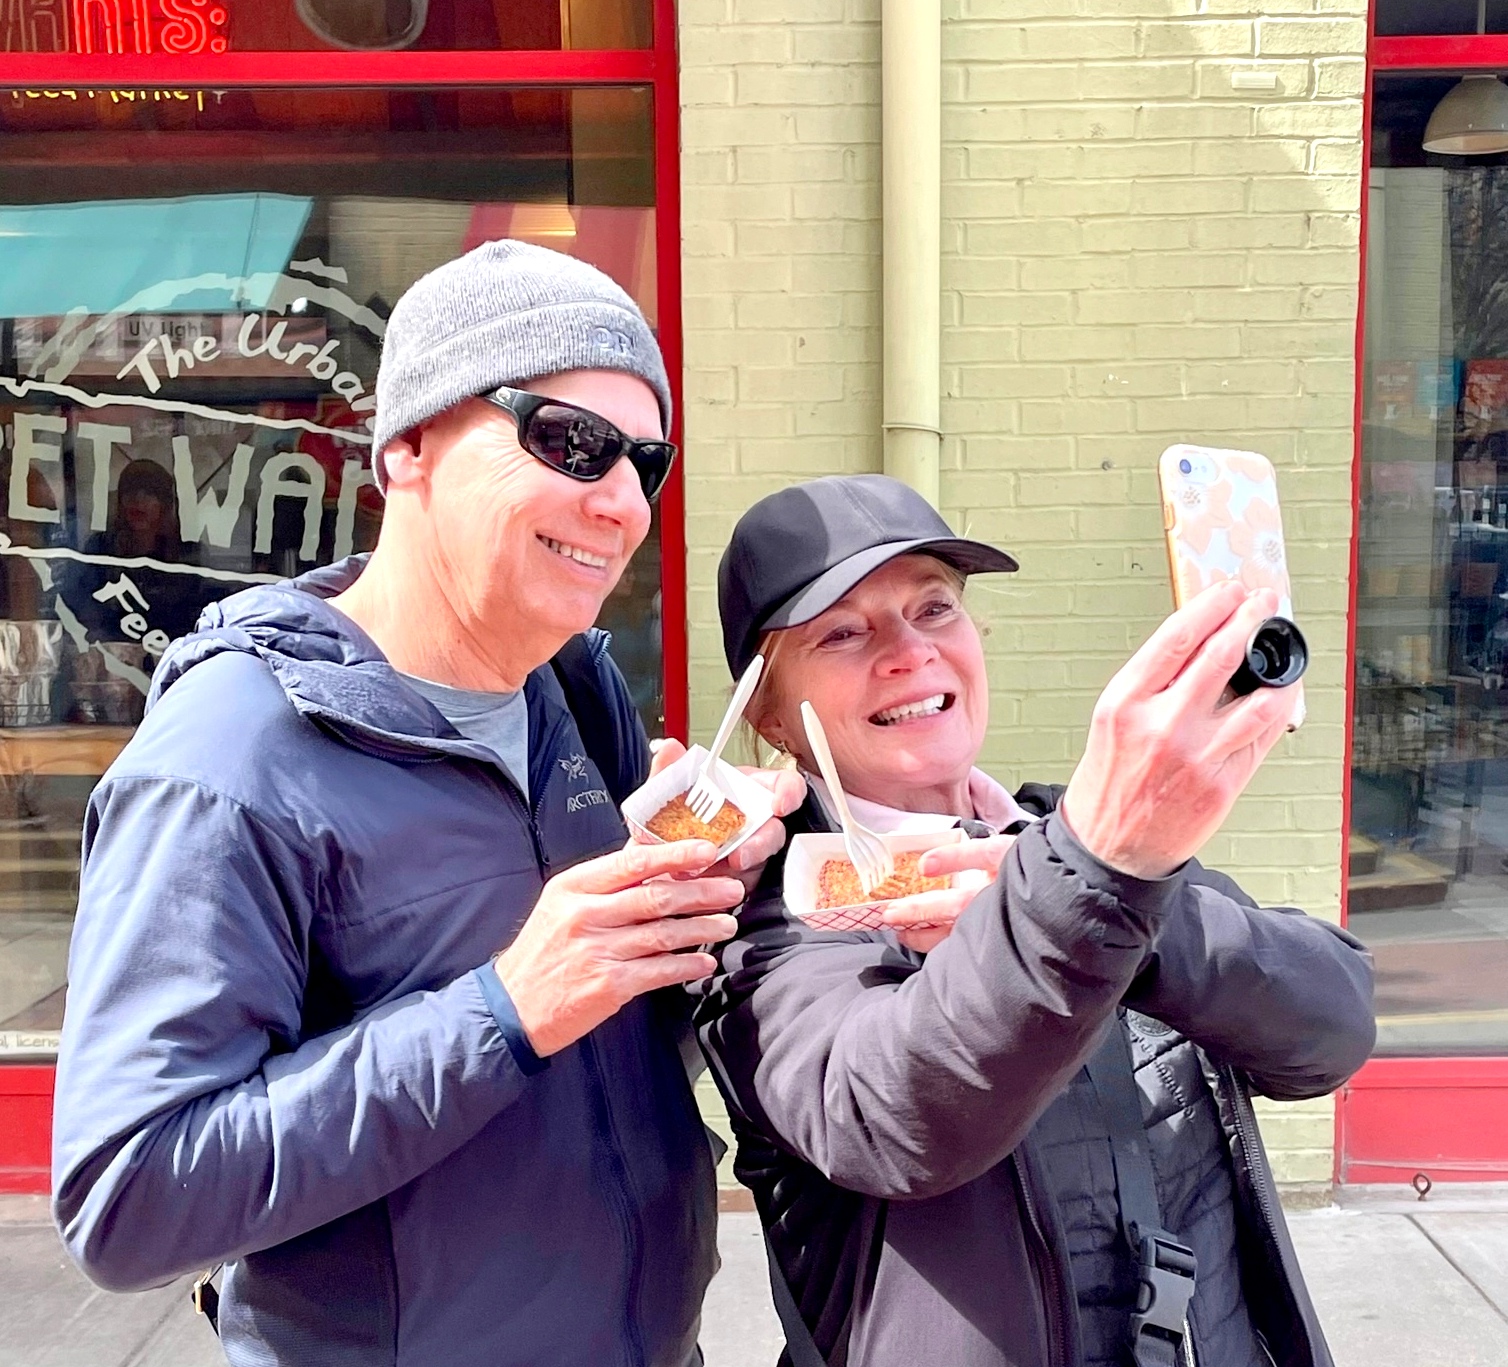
{"x":1165,"y":760}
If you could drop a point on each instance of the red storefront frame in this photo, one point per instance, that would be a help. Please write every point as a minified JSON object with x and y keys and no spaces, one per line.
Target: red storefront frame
{"x":26,"y":1089}
{"x":25,"y":1127}
{"x":1446,"y":1118}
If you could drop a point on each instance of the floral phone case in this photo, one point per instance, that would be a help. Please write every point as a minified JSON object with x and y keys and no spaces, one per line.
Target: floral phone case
{"x":1220,"y":512}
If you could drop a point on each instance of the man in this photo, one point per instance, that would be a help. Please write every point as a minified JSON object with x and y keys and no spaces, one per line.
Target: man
{"x":288,"y":1045}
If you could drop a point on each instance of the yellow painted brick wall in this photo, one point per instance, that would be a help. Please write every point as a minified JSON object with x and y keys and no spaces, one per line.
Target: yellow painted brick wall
{"x":781,"y":257}
{"x":1136,"y":252}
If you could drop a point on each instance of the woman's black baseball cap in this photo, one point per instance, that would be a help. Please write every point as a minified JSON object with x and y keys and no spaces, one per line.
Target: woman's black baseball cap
{"x":798,"y":551}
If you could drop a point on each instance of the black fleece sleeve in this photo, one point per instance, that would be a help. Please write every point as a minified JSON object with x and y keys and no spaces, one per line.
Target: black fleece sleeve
{"x":903,"y":1078}
{"x":1285,"y":997}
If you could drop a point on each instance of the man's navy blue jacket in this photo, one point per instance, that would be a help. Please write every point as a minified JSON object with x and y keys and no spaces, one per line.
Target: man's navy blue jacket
{"x":284,"y":1048}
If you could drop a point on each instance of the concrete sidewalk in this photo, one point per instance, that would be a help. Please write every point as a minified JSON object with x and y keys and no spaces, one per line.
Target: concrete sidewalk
{"x":1399,"y":1283}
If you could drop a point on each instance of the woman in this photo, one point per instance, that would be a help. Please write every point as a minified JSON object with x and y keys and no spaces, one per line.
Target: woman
{"x":949,"y":1150}
{"x":145,"y":527}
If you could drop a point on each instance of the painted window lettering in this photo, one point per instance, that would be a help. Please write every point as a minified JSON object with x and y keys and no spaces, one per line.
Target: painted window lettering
{"x":205,"y":515}
{"x":134,"y":626}
{"x":157,"y":457}
{"x":319,"y":361}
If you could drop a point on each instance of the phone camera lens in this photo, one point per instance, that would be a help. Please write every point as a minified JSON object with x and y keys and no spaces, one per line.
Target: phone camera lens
{"x":1276,"y":657}
{"x":1185,"y":467}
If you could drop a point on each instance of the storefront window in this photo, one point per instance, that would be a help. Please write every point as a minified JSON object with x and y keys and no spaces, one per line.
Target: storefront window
{"x":217,"y":26}
{"x":1402,"y":18}
{"x":1428,"y":878}
{"x":193,"y":292}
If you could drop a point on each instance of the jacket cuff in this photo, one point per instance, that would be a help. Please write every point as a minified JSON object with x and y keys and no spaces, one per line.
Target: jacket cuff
{"x":1149,"y":896}
{"x":506,"y":1015}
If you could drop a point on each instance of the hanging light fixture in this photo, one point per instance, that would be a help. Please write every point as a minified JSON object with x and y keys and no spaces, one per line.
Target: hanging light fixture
{"x":1472,"y":120}
{"x":364,"y":25}
{"x":532,"y":221}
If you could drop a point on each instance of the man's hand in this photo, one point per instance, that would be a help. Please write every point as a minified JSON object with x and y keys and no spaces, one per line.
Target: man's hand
{"x":602,"y":933}
{"x":1166,"y":760}
{"x":924,"y":921}
{"x":786,"y":786}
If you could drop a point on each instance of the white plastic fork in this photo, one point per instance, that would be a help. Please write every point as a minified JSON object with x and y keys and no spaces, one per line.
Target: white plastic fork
{"x":867,"y":852}
{"x":705,"y":798}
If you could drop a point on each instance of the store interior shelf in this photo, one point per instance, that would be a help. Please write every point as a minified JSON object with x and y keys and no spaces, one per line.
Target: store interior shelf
{"x":1365,"y":855}
{"x":61,"y":750}
{"x":1398,"y":879}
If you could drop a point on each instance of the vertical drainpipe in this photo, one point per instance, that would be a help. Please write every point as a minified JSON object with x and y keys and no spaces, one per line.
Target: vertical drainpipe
{"x":911,"y":118}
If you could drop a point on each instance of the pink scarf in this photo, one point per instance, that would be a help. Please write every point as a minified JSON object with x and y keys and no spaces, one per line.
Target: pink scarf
{"x":993,"y":805}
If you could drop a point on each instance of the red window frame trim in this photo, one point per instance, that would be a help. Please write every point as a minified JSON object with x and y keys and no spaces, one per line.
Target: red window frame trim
{"x":128,"y":70}
{"x":26,"y":1123}
{"x":1446,"y":1117}
{"x":26,"y":1088}
{"x":1445,"y":52}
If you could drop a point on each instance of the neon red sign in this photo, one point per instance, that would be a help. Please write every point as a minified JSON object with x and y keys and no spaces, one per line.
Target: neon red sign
{"x":172,"y":26}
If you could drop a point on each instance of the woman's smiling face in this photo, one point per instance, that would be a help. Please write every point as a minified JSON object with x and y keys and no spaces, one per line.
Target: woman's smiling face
{"x":895,"y":671}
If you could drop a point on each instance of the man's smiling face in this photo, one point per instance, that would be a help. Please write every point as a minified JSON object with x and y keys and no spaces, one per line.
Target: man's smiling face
{"x":518,"y":539}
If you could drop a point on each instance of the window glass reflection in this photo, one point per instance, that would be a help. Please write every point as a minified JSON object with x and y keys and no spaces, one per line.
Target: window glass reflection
{"x":190,"y":323}
{"x":1397,"y":18}
{"x":1428,"y":876}
{"x":212,"y":29}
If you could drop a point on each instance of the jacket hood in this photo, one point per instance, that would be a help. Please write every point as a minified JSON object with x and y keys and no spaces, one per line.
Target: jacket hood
{"x":331,"y":670}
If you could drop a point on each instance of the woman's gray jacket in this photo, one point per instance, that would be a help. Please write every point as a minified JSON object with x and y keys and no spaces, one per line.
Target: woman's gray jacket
{"x":884,"y":1103}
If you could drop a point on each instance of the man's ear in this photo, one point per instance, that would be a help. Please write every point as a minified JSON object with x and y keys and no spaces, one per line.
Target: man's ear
{"x":402,"y":459}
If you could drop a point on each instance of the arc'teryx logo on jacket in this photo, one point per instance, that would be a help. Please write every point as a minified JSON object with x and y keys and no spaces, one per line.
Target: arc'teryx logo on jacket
{"x":575,"y":769}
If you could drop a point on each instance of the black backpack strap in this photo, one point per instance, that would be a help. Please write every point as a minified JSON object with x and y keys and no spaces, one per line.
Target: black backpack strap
{"x":1165,"y":1268}
{"x":599,"y":701}
{"x":800,"y":1346}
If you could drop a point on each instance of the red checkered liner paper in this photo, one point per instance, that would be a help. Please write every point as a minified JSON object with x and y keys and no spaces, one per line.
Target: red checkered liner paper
{"x":865,"y":916}
{"x":803,"y":865}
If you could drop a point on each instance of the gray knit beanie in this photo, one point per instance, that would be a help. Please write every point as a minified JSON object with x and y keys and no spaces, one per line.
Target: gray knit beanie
{"x":503,"y":314}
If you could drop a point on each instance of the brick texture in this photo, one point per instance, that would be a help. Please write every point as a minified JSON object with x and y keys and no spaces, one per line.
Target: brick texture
{"x":1138,"y":249}
{"x":781,"y":262}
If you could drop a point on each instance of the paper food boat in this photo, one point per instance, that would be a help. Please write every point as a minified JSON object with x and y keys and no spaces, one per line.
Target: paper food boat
{"x":808,"y":853}
{"x":754,"y":801}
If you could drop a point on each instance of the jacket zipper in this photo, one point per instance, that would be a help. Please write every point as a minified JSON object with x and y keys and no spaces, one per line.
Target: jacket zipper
{"x":618,"y":1185}
{"x":1246,"y":1132}
{"x":1049,"y":1265}
{"x":622,"y":1207}
{"x":535,"y":804}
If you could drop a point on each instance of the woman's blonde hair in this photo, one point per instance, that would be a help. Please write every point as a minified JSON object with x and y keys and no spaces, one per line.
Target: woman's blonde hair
{"x":775,"y":646}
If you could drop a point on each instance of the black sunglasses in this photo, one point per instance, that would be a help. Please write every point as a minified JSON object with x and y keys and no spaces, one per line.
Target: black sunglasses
{"x":578,"y":443}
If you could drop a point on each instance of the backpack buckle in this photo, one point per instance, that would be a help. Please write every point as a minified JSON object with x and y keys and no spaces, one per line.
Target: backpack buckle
{"x":1165,"y":1286}
{"x":206,"y":1298}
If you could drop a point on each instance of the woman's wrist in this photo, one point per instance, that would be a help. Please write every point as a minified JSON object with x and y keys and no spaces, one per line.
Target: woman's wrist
{"x":1112,"y":854}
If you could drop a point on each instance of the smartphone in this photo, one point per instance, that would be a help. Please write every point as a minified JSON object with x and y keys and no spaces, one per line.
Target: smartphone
{"x":1220,"y":511}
